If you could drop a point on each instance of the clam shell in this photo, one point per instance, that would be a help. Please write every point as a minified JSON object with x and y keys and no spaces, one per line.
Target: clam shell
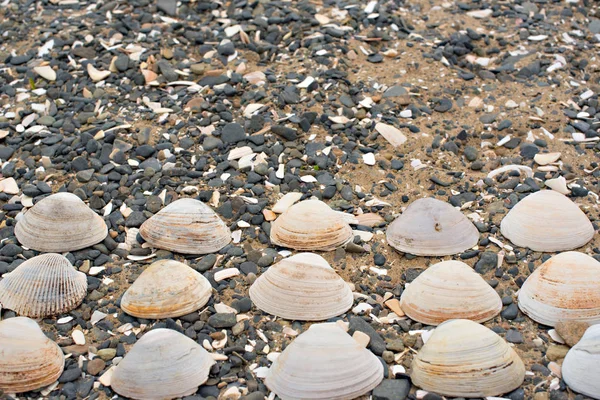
{"x":166,"y":289}
{"x":310,"y":225}
{"x":186,"y":226}
{"x":430,"y":227}
{"x":163,"y":364}
{"x":547,"y":221}
{"x":581,"y":367}
{"x":465,"y":359}
{"x":59,"y":223}
{"x":302,"y":287}
{"x":28,"y":359}
{"x":564,"y":288}
{"x":450,"y":290}
{"x":42,"y":286}
{"x":324,"y":363}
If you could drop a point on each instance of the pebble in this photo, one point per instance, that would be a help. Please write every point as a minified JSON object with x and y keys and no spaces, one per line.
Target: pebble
{"x":392,"y":389}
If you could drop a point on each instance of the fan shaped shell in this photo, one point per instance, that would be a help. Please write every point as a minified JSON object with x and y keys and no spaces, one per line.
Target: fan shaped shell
{"x":28,"y":359}
{"x":564,"y":288}
{"x":59,"y":223}
{"x":581,"y":367}
{"x":166,"y":289}
{"x":430,"y":227}
{"x":163,"y":364}
{"x":547,"y":221}
{"x":44,"y":285}
{"x":450,"y":290}
{"x":302,"y":287}
{"x":465,"y":359}
{"x":324,"y":363}
{"x":186,"y":226}
{"x":310,"y":225}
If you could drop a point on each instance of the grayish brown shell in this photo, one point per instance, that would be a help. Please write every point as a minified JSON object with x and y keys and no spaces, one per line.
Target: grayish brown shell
{"x":302,"y":287}
{"x":163,"y":364}
{"x":59,"y":223}
{"x":430,"y":227}
{"x":28,"y":359}
{"x":44,"y":285}
{"x":581,"y":367}
{"x":465,"y":359}
{"x":186,"y":226}
{"x":547,"y":221}
{"x":324,"y":363}
{"x":310,"y":225}
{"x":166,"y":289}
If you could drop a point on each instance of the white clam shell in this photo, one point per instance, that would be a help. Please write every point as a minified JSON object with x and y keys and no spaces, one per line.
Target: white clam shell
{"x":186,"y":226}
{"x":28,"y":359}
{"x":59,"y":223}
{"x":324,"y":363}
{"x":450,"y":290}
{"x":430,"y":227}
{"x":166,"y":289}
{"x":44,"y":285}
{"x":547,"y":221}
{"x":465,"y":359}
{"x":581,"y":367}
{"x":564,"y":288}
{"x":302,"y":287}
{"x":310,"y":225}
{"x":163,"y":364}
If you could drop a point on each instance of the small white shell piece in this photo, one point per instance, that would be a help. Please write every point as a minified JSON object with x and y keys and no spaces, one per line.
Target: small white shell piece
{"x":581,"y":367}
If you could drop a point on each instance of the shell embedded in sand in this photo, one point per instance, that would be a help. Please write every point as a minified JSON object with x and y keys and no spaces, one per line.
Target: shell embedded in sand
{"x":302,"y":287}
{"x":547,"y":221}
{"x":186,"y":226}
{"x":324,"y":363}
{"x":59,"y":223}
{"x":166,"y":289}
{"x":581,"y":367}
{"x":564,"y":288}
{"x":450,"y":290}
{"x":28,"y":359}
{"x":310,"y":225}
{"x":430,"y":227}
{"x":44,"y":285}
{"x":163,"y":364}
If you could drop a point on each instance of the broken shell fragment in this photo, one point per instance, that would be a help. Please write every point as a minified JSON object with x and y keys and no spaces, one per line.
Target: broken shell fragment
{"x":166,"y":289}
{"x":564,"y":288}
{"x":163,"y":364}
{"x":186,"y":226}
{"x":547,"y":221}
{"x":59,"y":223}
{"x":465,"y":359}
{"x":430,"y":227}
{"x":28,"y":359}
{"x":44,"y":285}
{"x":581,"y":367}
{"x":450,"y":290}
{"x":310,"y":225}
{"x":324,"y":363}
{"x":302,"y":287}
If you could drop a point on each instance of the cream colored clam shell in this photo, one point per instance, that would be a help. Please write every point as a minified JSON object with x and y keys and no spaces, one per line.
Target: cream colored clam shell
{"x":581,"y":367}
{"x":163,"y":364}
{"x":186,"y":226}
{"x":465,"y":359}
{"x":564,"y":288}
{"x":450,"y":290}
{"x":430,"y":227}
{"x":28,"y":359}
{"x":310,"y":225}
{"x":302,"y":287}
{"x":547,"y":221}
{"x":60,"y":223}
{"x":44,"y":285}
{"x":166,"y":289}
{"x":324,"y":363}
